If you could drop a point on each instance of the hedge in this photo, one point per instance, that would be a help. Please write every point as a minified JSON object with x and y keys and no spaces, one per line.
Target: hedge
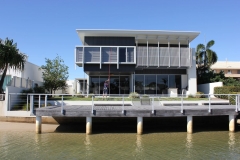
{"x":227,"y":90}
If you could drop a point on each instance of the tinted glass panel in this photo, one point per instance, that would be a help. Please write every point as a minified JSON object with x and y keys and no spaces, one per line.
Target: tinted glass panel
{"x":94,"y":85}
{"x":122,"y":54}
{"x":124,"y":85}
{"x":139,"y":83}
{"x":150,"y":84}
{"x":162,"y":84}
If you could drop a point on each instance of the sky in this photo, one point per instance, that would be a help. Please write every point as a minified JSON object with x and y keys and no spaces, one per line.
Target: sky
{"x":47,"y":28}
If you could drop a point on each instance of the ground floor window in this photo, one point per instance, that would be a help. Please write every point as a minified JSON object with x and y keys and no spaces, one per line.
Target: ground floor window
{"x":156,"y":84}
{"x":117,"y":85}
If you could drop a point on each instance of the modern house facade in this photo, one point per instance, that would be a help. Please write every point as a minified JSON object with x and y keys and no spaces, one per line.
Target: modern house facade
{"x":149,"y":62}
{"x":229,"y":68}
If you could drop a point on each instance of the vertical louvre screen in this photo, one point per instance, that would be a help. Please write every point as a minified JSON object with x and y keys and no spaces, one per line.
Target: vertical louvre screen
{"x":152,"y":56}
{"x":185,"y":61}
{"x":174,"y":54}
{"x":92,"y":54}
{"x":79,"y":54}
{"x":164,"y":56}
{"x":140,"y":56}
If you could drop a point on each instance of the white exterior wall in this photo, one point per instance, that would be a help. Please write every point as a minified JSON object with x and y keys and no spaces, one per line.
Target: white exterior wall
{"x":208,"y":88}
{"x":68,"y":90}
{"x":191,"y":72}
{"x":32,"y":72}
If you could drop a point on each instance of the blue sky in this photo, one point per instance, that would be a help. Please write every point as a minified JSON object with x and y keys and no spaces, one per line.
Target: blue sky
{"x":45,"y":28}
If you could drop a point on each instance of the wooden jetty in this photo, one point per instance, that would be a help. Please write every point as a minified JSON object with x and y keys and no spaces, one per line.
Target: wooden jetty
{"x":139,"y":110}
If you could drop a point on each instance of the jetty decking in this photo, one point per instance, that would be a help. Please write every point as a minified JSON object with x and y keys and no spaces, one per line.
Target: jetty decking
{"x":144,"y":107}
{"x":115,"y":110}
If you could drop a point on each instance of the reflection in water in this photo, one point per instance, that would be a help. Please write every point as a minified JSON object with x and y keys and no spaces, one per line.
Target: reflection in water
{"x":231,"y":141}
{"x":37,"y":144}
{"x":189,"y":144}
{"x":88,"y":146}
{"x":177,"y":145}
{"x":139,"y":145}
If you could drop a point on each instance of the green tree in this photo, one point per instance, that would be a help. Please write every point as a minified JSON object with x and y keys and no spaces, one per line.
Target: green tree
{"x":205,"y":57}
{"x":55,"y":74}
{"x":10,"y":57}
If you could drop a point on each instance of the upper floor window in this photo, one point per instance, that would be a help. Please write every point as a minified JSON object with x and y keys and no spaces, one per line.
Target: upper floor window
{"x":238,"y":71}
{"x":229,"y":72}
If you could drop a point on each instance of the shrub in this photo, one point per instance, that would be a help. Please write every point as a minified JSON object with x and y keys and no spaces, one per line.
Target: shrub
{"x":232,"y":98}
{"x":27,"y":91}
{"x":91,"y":95}
{"x":145,"y":96}
{"x":225,"y":90}
{"x":133,"y":95}
{"x":190,"y":96}
{"x":200,"y":95}
{"x":80,"y":96}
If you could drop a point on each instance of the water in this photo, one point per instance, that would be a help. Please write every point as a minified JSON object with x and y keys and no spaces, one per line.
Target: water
{"x":167,"y":145}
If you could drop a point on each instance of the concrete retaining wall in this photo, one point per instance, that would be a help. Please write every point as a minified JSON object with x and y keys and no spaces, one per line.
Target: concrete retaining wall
{"x":208,"y":88}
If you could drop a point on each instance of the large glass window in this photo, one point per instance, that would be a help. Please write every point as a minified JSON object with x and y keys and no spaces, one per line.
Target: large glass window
{"x":102,"y":79}
{"x":172,"y":82}
{"x":150,"y":84}
{"x":178,"y":83}
{"x":114,"y":85}
{"x":94,"y":85}
{"x":124,"y":85}
{"x":139,"y":83}
{"x":117,"y":85}
{"x":122,"y":54}
{"x":162,"y":84}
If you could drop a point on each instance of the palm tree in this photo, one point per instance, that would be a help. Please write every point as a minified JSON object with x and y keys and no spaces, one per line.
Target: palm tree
{"x":10,"y":57}
{"x":205,"y":57}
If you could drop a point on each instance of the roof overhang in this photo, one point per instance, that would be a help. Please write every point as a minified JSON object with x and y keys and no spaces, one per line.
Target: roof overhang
{"x":153,"y":36}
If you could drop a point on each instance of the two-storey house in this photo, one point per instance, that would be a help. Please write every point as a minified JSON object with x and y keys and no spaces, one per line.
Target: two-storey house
{"x":142,"y":61}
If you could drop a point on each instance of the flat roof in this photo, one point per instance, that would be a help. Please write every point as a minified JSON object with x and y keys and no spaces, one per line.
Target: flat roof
{"x":152,"y":35}
{"x":226,"y":65}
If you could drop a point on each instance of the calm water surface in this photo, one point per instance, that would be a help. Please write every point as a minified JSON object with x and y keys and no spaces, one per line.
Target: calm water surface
{"x":168,"y":145}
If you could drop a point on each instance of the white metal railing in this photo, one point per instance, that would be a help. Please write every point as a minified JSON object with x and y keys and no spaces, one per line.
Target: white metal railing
{"x":123,"y":102}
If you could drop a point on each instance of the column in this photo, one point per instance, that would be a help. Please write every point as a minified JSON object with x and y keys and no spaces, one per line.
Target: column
{"x":38,"y":124}
{"x":88,"y":125}
{"x":78,"y":87}
{"x":191,"y":72}
{"x":139,"y":125}
{"x":231,"y":123}
{"x":189,"y":124}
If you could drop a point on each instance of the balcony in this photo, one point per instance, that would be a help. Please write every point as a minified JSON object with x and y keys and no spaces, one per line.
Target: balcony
{"x":164,"y":57}
{"x":105,"y":55}
{"x":140,"y":56}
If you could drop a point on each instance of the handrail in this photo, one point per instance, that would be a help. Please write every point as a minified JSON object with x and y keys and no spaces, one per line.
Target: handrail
{"x":180,"y":99}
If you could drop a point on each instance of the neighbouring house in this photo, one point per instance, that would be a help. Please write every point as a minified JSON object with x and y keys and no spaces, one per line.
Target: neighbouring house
{"x":144,"y":61}
{"x":77,"y":86}
{"x":229,"y":68}
{"x":27,"y":78}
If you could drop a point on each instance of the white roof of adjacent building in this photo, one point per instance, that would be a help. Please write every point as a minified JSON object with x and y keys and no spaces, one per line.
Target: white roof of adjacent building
{"x":226,"y":65}
{"x":151,"y":35}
